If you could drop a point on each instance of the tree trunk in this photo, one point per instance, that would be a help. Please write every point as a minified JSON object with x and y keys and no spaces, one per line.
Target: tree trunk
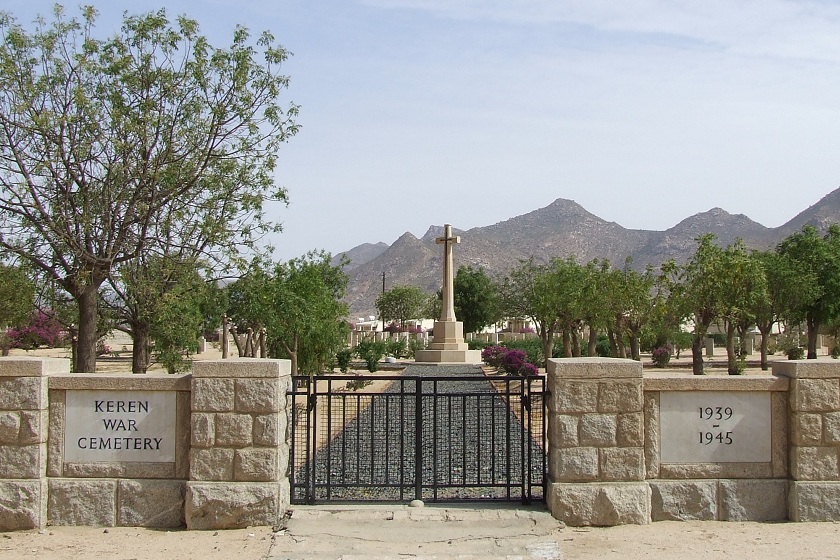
{"x":765,"y":335}
{"x":697,"y":354}
{"x":141,"y":346}
{"x":548,"y":346}
{"x":575,"y":343}
{"x":813,"y":331}
{"x":593,"y":342}
{"x":731,"y":357}
{"x":619,"y":340}
{"x":567,"y":343}
{"x":613,"y":345}
{"x":635,"y":353}
{"x":88,"y":301}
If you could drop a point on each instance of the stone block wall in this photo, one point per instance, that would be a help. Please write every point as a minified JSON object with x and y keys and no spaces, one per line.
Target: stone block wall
{"x":231,"y":460}
{"x":605,"y":446}
{"x":596,"y":467}
{"x":131,"y":494}
{"x":24,"y":423}
{"x":239,"y":461}
{"x":722,"y":491}
{"x":814,"y":420}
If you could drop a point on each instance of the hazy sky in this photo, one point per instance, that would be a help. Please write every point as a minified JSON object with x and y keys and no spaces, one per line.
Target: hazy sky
{"x":420,"y":112}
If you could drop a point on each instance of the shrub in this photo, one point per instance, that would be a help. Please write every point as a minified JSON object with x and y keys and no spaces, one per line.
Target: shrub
{"x":492,"y":355}
{"x":414,"y":345}
{"x":532,"y":347}
{"x":478,"y":344}
{"x":661,"y":356}
{"x":796,"y":353}
{"x":515,"y":362}
{"x":371,"y":352}
{"x":397,"y":348}
{"x":42,"y":330}
{"x":602,"y":346}
{"x":835,"y":352}
{"x":343,"y":358}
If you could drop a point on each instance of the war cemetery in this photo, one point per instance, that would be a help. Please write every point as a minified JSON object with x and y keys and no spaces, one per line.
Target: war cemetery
{"x":160,"y":370}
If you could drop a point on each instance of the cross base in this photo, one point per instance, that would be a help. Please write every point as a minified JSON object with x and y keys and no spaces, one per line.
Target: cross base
{"x":448,"y":346}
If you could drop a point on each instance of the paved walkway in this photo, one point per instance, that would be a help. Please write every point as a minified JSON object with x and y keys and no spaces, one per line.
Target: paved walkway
{"x":399,"y":532}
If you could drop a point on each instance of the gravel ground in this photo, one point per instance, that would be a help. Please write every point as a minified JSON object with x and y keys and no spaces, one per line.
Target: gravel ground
{"x":471,"y":442}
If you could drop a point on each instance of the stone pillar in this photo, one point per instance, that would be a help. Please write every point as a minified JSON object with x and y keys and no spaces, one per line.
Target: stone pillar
{"x":814,"y":492}
{"x":596,"y":465}
{"x":239,"y":461}
{"x":710,"y":346}
{"x":24,"y":422}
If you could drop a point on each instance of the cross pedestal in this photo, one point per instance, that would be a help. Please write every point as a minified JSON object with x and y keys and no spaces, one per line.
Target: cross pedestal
{"x":448,"y":343}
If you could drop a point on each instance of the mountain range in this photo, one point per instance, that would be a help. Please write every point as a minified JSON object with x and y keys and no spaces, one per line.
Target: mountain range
{"x":560,"y":229}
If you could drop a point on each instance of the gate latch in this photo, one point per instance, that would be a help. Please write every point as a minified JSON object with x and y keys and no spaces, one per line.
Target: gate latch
{"x":310,"y":402}
{"x":526,"y":402}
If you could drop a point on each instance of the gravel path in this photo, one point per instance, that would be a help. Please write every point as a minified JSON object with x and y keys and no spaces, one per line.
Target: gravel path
{"x":471,"y":442}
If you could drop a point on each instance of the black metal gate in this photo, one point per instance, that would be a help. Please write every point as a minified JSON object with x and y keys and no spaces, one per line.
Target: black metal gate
{"x":403,"y":437}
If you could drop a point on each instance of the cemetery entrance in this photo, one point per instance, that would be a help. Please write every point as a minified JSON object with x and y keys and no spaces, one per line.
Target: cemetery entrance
{"x":420,"y":435}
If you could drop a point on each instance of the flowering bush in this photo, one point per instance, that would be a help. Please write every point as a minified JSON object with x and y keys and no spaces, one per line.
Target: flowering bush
{"x":661,"y":356}
{"x":515,"y":362}
{"x":527,"y":330}
{"x":509,"y":360}
{"x":492,"y":355}
{"x":42,"y":330}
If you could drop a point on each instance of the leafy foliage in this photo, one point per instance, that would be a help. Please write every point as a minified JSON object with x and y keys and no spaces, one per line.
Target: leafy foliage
{"x":42,"y":330}
{"x":111,"y":144}
{"x":299,"y":304}
{"x":400,"y":304}
{"x":476,"y":299}
{"x":371,"y":352}
{"x":811,"y":254}
{"x":17,"y":296}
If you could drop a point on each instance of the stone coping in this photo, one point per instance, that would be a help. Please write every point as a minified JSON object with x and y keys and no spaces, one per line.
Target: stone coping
{"x":121,"y":382}
{"x":594,"y":368}
{"x":31,"y":366}
{"x":668,"y":381}
{"x":807,"y":369}
{"x":242,"y":368}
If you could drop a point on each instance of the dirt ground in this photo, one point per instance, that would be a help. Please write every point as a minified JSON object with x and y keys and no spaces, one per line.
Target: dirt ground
{"x":415,"y":539}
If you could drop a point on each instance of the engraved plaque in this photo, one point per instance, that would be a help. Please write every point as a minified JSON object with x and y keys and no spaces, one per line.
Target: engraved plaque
{"x":715,"y":427}
{"x":120,"y":426}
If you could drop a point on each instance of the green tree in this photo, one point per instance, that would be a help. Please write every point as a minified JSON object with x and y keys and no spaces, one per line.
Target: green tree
{"x":819,"y":256}
{"x":786,"y":293}
{"x":299,"y":304}
{"x":551,"y":296}
{"x":694,"y":292}
{"x":161,"y":303}
{"x":178,"y":322}
{"x":476,"y":299}
{"x":633,"y":302}
{"x":17,"y":296}
{"x":742,"y":283}
{"x":526,"y":293}
{"x":104,"y":141}
{"x":401,"y":303}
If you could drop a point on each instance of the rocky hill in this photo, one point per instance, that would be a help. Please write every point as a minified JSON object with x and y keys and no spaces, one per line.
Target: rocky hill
{"x":560,"y":229}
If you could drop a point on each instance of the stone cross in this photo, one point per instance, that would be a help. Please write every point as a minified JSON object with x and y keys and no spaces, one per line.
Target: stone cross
{"x":447,"y":313}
